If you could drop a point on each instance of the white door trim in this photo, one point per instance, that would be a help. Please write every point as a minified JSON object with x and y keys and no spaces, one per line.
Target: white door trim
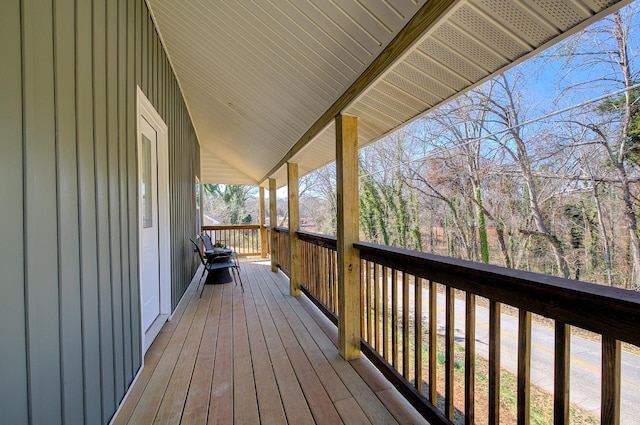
{"x":145,"y":109}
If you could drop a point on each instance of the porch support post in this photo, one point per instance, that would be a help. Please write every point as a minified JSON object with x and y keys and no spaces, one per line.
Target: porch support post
{"x":295,"y":266}
{"x":349,"y":309}
{"x":273,"y":221}
{"x":263,"y":229}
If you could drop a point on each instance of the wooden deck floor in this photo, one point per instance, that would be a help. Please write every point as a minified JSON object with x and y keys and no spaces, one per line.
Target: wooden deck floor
{"x":258,"y":357}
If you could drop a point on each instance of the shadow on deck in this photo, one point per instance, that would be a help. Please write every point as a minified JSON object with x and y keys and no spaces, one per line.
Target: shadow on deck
{"x":258,"y":357}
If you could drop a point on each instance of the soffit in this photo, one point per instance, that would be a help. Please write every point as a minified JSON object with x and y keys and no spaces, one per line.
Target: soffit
{"x":257,"y":75}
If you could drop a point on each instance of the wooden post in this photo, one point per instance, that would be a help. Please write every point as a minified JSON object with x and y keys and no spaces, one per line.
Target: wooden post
{"x":263,"y":229}
{"x":349,"y":308}
{"x":295,"y":269}
{"x":273,"y":221}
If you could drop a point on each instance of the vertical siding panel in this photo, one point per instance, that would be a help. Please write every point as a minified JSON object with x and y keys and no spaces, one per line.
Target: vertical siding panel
{"x":113,"y":172}
{"x":124,"y":190}
{"x":151,"y":65}
{"x":153,"y":47}
{"x":69,"y":116}
{"x":87,"y":200}
{"x":13,"y":368}
{"x":179,"y":229}
{"x":163,"y":81}
{"x":146,"y":51}
{"x":144,"y":80}
{"x":173,"y":132}
{"x":134,"y":76}
{"x":102,"y":205}
{"x":158,"y":65}
{"x":69,"y":242}
{"x":41,"y":235}
{"x":176,"y":218}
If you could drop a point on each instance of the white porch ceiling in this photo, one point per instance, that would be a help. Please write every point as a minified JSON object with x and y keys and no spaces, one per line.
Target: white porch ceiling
{"x":257,"y":75}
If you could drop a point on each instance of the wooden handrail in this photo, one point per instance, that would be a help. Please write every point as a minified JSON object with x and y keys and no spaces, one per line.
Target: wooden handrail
{"x":602,"y":309}
{"x":325,"y":241}
{"x":242,"y":238}
{"x":232,"y":227}
{"x":283,"y":230}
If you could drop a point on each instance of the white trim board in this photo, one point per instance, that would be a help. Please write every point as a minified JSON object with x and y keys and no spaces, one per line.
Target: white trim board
{"x":145,"y":109}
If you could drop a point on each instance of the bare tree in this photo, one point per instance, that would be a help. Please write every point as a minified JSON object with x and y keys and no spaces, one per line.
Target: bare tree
{"x":505,"y":107}
{"x":620,"y":143}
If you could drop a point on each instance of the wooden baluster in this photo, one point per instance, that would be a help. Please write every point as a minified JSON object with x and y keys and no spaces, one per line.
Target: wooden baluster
{"x":315,"y":275}
{"x":308,"y":271}
{"x":394,"y":320}
{"x":336,"y":296}
{"x":325,"y":276}
{"x":470,"y":359}
{"x":405,"y":325}
{"x":562,"y":357}
{"x":368,"y":300}
{"x":450,"y":300}
{"x":311,"y":269}
{"x":433,"y":348}
{"x":418,"y":333}
{"x":304,"y":258}
{"x":376,"y":306}
{"x":385,"y":313}
{"x":610,"y":408}
{"x":524,"y":366}
{"x":332,"y":280}
{"x":494,"y":363}
{"x":363,"y":293}
{"x":330,"y":271}
{"x":322,"y":276}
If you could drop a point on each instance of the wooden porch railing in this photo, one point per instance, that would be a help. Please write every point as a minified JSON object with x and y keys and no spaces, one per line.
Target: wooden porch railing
{"x":399,"y":290}
{"x":283,"y":249}
{"x":243,"y":239}
{"x":320,"y":274}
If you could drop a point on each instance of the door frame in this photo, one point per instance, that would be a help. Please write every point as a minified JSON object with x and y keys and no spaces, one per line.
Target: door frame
{"x":145,"y":109}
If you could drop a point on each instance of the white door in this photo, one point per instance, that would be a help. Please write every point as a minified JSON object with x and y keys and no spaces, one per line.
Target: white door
{"x":149,"y":226}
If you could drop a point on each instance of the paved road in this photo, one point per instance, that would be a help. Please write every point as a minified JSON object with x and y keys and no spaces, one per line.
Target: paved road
{"x":585,"y":360}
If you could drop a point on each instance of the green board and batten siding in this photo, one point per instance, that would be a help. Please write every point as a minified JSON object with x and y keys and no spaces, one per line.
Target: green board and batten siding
{"x":70,"y":310}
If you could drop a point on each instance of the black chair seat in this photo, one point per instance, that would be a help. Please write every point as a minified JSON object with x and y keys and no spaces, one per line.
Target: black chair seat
{"x":220,"y":265}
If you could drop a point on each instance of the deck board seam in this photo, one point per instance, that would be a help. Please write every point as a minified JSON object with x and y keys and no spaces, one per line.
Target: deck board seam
{"x":271,"y":310}
{"x":197,"y":350}
{"x":272,"y":371}
{"x":198,"y":317}
{"x":283,"y":301}
{"x":364,"y":404}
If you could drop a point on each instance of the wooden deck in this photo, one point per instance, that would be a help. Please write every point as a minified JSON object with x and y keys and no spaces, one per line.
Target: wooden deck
{"x":258,"y":357}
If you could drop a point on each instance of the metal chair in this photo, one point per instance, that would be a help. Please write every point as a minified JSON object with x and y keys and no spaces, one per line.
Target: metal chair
{"x":206,"y":241}
{"x":208,"y":247}
{"x":221,"y":262}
